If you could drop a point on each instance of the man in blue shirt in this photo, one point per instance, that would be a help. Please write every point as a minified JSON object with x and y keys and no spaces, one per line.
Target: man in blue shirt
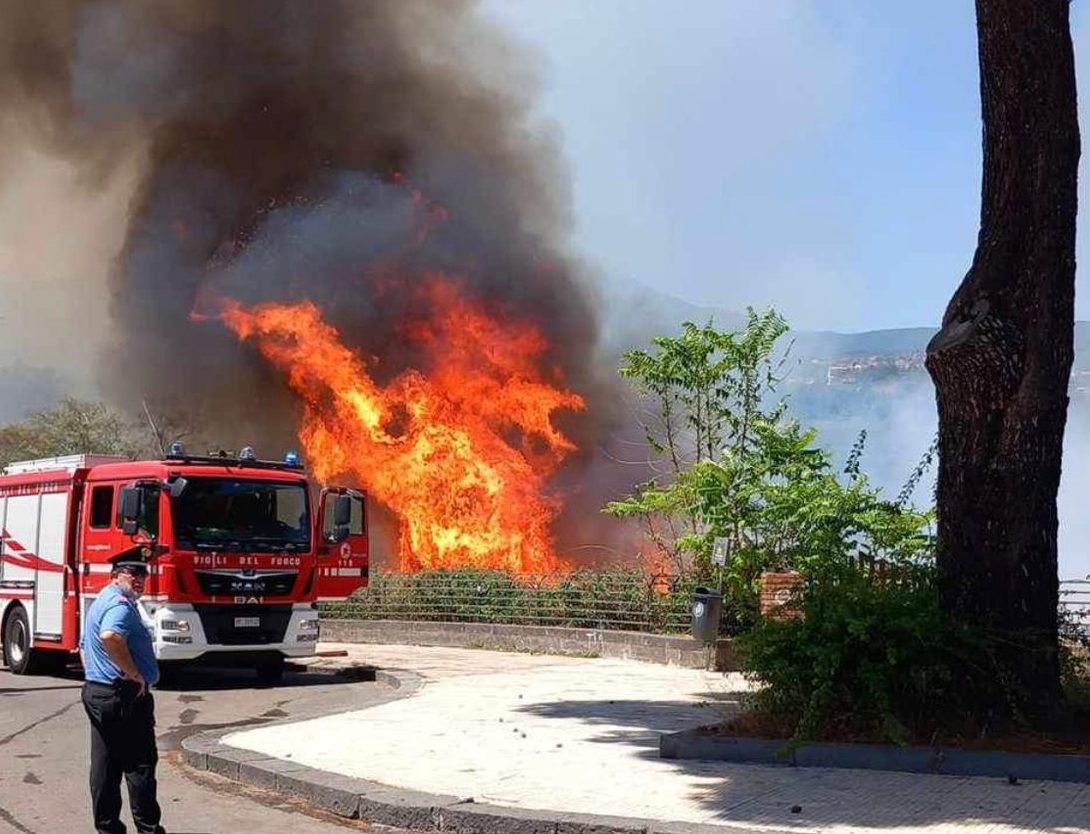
{"x":119,"y":665}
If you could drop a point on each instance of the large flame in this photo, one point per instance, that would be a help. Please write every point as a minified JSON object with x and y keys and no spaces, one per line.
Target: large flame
{"x":460,"y":451}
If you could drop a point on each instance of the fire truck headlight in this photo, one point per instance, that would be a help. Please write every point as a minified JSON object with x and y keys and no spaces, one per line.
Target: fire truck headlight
{"x":308,"y":625}
{"x":174,"y":625}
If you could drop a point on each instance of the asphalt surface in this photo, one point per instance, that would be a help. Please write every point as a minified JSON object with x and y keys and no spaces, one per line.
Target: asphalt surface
{"x":45,"y":742}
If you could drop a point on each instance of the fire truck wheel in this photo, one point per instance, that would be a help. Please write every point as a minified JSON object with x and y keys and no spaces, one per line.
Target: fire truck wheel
{"x":19,"y":657}
{"x":271,"y":671}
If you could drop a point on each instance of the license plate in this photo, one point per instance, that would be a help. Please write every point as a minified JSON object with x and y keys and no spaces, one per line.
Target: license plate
{"x":247,"y":622}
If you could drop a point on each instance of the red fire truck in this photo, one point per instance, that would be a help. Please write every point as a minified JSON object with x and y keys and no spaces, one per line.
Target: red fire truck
{"x":240,"y":551}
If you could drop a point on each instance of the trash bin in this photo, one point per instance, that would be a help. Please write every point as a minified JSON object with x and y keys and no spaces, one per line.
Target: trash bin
{"x":707,"y":610}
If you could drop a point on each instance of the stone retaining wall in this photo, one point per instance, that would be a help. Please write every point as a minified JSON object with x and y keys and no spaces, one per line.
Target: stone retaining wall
{"x":628,"y":645}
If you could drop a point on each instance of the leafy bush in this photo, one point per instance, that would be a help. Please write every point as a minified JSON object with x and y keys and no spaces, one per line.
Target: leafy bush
{"x":785,"y":508}
{"x":873,"y":658}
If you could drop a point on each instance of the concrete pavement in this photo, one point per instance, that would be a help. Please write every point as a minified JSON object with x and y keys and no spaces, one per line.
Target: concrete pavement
{"x":580,"y":735}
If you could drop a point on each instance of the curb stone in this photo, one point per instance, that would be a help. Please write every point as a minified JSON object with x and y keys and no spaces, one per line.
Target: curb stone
{"x":945,"y":761}
{"x":352,"y":798}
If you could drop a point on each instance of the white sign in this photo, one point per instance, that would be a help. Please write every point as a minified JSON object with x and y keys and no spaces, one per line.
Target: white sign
{"x":719,"y":552}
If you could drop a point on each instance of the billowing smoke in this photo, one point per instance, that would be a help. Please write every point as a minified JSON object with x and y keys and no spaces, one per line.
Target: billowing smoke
{"x":339,"y":152}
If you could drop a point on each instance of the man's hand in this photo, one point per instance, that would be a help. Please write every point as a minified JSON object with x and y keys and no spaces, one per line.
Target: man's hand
{"x":138,"y":678}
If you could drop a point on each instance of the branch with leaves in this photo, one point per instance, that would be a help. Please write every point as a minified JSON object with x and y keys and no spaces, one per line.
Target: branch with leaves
{"x":733,"y":467}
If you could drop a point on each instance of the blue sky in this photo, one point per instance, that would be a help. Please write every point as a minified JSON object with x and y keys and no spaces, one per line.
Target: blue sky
{"x":822,"y":156}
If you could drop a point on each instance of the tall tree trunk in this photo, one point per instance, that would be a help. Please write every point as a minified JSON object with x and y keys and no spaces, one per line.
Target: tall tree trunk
{"x":1002,"y":360}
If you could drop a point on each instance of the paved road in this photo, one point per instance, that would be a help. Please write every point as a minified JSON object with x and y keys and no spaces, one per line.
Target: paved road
{"x":44,"y":742}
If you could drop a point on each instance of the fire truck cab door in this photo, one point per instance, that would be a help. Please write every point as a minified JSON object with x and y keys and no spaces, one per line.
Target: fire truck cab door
{"x":345,"y":567}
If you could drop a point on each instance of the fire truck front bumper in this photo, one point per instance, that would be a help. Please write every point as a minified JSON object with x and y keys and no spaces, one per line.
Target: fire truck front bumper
{"x":203,"y":631}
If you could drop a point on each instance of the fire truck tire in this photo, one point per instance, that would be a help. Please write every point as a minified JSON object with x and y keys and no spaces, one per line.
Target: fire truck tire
{"x":271,"y":671}
{"x":19,"y":657}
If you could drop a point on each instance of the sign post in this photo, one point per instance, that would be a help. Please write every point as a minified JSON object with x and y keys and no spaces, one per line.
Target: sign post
{"x":720,"y":549}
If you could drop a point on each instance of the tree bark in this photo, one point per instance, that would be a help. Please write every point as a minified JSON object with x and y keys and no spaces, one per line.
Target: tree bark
{"x":1002,"y":359}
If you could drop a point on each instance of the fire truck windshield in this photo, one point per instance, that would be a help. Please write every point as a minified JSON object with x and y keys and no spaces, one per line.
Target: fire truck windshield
{"x":242,"y":516}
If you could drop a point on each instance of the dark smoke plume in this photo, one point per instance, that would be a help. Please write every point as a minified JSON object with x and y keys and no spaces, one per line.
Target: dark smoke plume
{"x":333,"y":151}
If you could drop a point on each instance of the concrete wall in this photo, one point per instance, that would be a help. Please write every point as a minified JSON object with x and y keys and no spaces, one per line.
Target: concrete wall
{"x":629,"y":645}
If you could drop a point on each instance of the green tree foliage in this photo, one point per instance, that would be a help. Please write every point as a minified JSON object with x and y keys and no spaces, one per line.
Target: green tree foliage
{"x":784,"y":507}
{"x":73,"y":427}
{"x":734,"y":467}
{"x":707,"y":388}
{"x":703,"y":394}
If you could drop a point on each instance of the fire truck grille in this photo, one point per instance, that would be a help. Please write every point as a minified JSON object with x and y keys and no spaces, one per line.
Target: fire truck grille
{"x":226,"y":584}
{"x":233,"y":625}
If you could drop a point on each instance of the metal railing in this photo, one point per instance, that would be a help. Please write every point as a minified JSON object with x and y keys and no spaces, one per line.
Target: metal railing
{"x":621,"y":600}
{"x":1075,"y":601}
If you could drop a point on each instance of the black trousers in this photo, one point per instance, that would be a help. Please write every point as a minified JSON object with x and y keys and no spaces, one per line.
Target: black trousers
{"x":122,"y":744}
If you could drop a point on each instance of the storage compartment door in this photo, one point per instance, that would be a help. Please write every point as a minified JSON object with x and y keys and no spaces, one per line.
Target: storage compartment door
{"x":52,"y":530}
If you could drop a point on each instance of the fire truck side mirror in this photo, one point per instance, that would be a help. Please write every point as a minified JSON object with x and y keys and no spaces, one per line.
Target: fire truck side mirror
{"x":131,"y":500}
{"x":176,"y":486}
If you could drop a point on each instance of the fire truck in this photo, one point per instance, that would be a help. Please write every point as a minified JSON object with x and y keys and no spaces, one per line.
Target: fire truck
{"x":240,"y":552}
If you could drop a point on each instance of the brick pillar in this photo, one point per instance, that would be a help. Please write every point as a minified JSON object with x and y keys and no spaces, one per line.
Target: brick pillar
{"x":780,"y":594}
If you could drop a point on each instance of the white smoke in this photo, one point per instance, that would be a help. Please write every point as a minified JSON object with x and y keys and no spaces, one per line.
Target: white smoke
{"x":59,"y":235}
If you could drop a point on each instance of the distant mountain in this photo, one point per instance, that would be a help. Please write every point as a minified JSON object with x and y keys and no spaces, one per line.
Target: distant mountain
{"x":843,"y":384}
{"x":827,"y":344}
{"x":635,"y":313}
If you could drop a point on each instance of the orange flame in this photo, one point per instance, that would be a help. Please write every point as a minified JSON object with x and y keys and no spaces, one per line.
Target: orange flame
{"x":461,"y":454}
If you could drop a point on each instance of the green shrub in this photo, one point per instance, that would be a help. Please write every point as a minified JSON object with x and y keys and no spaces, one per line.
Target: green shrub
{"x":872,"y":659}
